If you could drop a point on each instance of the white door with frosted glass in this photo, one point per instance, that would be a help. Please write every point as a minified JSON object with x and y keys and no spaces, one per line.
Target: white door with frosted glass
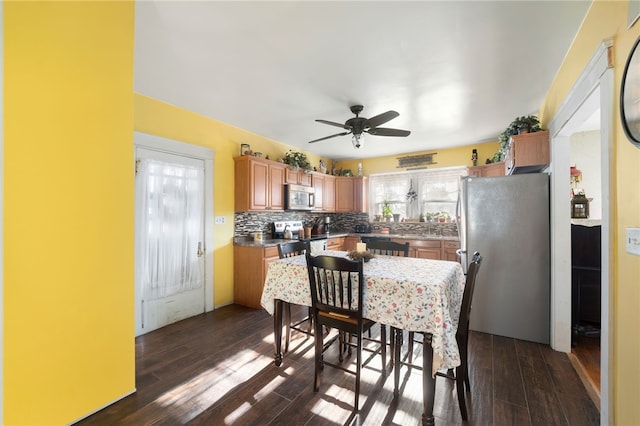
{"x":169,"y":243}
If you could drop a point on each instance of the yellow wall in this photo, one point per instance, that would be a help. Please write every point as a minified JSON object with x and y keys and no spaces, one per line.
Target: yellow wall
{"x":609,"y":20}
{"x":446,"y":157}
{"x":68,"y":203}
{"x":161,"y":119}
{"x":68,"y":209}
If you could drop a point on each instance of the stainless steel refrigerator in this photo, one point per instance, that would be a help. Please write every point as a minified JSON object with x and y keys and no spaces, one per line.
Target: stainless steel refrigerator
{"x":506,"y":219}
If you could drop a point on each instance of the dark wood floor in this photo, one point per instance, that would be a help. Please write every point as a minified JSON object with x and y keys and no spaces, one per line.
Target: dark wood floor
{"x":217,"y":369}
{"x":587,"y":352}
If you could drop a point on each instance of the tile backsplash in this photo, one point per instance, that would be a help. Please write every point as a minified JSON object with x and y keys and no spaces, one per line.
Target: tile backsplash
{"x":248,"y":222}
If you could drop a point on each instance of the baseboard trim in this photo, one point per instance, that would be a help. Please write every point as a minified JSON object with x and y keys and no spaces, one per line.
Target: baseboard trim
{"x":103,"y":407}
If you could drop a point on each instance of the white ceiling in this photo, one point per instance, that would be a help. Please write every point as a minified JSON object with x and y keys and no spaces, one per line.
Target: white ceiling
{"x":458,"y":72}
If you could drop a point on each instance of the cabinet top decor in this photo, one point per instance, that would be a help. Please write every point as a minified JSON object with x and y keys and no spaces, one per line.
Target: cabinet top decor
{"x":297,"y":159}
{"x":520,"y":125}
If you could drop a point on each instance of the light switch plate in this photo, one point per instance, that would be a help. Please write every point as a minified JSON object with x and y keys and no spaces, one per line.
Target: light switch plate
{"x":219,"y":220}
{"x":633,"y":241}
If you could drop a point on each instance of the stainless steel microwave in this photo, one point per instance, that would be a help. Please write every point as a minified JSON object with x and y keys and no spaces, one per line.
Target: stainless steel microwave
{"x":298,"y":197}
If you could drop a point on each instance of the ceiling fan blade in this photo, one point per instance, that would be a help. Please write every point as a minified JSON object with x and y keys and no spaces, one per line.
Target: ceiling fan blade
{"x":329,"y":137}
{"x":383,"y":131}
{"x":382,"y":118}
{"x":332,"y":123}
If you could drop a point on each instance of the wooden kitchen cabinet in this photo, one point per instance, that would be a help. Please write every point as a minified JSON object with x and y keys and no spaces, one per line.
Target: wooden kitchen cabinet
{"x":493,"y":169}
{"x":259,"y":184}
{"x":249,"y":272}
{"x":527,"y":153}
{"x":351,"y":194}
{"x":449,"y":249}
{"x":350,"y":243}
{"x":335,"y":243}
{"x":424,"y":249}
{"x":325,"y":192}
{"x":298,"y":177}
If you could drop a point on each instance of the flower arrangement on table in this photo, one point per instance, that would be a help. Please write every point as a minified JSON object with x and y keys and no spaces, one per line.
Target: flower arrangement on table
{"x":357,"y":255}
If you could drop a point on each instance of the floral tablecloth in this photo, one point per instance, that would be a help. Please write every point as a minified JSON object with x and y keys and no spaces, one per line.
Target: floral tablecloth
{"x":403,"y":292}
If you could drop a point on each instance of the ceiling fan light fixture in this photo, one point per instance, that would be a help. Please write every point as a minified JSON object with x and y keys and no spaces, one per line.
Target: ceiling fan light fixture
{"x":357,"y":140}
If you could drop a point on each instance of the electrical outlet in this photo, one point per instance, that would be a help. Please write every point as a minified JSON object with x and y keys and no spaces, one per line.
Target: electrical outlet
{"x":219,"y":220}
{"x":633,"y":241}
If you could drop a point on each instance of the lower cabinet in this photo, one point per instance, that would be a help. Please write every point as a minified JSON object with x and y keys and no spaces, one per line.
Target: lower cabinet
{"x":449,"y":250}
{"x":249,"y":272}
{"x":432,"y":249}
{"x":350,"y":243}
{"x":424,"y":249}
{"x":336,"y":243}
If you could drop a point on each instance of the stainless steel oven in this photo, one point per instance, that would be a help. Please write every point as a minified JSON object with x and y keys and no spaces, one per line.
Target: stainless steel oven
{"x":298,"y":197}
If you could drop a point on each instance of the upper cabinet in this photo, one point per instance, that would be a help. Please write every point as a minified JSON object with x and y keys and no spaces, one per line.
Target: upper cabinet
{"x":527,"y":153}
{"x":259,"y":184}
{"x":299,"y":177}
{"x":351,"y":194}
{"x":493,"y":169}
{"x":325,"y":192}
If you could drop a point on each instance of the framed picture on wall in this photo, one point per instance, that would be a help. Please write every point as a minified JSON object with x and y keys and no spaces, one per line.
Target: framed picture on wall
{"x":630,"y":96}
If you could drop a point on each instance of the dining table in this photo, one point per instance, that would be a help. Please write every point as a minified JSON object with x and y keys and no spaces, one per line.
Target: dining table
{"x":407,"y":293}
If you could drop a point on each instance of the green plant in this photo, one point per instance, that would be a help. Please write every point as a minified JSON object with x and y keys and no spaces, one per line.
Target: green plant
{"x":386,"y":209}
{"x":528,"y":122}
{"x":297,"y":159}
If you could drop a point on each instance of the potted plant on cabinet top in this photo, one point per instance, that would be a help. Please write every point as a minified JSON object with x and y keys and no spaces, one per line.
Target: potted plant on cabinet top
{"x":297,"y":160}
{"x":523,"y":124}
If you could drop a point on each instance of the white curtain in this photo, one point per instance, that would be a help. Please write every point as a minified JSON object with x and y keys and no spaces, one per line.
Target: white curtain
{"x":171,"y":225}
{"x":436,"y":190}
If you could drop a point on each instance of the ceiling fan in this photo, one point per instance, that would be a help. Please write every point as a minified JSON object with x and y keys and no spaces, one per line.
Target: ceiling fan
{"x":359,"y":125}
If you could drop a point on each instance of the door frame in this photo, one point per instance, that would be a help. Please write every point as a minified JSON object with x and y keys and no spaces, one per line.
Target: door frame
{"x":170,"y":146}
{"x":592,"y":91}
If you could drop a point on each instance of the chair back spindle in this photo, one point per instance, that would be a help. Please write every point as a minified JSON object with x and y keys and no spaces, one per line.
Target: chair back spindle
{"x":388,"y":248}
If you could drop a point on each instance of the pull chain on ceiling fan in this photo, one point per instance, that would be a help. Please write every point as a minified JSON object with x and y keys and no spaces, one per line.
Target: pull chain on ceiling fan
{"x":357,"y":126}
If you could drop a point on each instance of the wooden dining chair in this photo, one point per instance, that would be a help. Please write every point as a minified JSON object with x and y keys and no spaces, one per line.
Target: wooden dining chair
{"x":337,"y":286}
{"x":388,"y":248}
{"x":294,"y":248}
{"x":461,"y":375}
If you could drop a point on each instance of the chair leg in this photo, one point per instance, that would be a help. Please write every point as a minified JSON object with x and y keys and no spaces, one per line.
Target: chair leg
{"x":463,"y":347}
{"x":392,"y":350}
{"x":310,"y":321}
{"x":383,"y":349}
{"x":460,"y":373}
{"x":358,"y":367}
{"x":410,"y":347}
{"x":397,"y":335}
{"x":287,"y":319}
{"x":319,"y":339}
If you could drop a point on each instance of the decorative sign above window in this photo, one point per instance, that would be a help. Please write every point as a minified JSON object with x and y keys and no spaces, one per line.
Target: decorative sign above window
{"x":414,"y":162}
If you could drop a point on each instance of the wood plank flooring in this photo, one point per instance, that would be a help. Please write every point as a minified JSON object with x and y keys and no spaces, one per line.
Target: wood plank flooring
{"x":217,"y":369}
{"x":587,"y":351}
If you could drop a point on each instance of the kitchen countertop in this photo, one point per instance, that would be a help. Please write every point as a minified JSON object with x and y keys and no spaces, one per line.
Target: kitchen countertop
{"x":272,"y":242}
